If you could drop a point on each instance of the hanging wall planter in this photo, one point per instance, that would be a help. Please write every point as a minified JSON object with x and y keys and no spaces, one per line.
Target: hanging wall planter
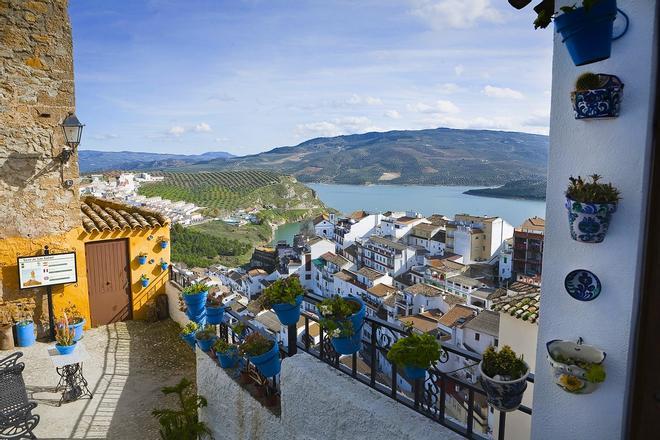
{"x":144,"y":281}
{"x":163,"y":244}
{"x":142,"y":259}
{"x":590,"y":207}
{"x":597,"y":96}
{"x":263,"y":353}
{"x":577,"y":368}
{"x":343,"y":319}
{"x":503,"y":376}
{"x":284,"y":296}
{"x":215,"y":310}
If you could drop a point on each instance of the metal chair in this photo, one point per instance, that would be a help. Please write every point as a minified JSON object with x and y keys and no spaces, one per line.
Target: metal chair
{"x":16,"y":418}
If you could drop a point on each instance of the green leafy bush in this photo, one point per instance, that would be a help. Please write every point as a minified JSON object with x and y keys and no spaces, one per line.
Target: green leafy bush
{"x":591,"y":192}
{"x":504,"y":363}
{"x":195,"y":289}
{"x":208,"y":332}
{"x":191,"y":327}
{"x":222,"y":346}
{"x":282,"y":291}
{"x":255,"y":344}
{"x":334,"y":312}
{"x":415,"y":351}
{"x":182,"y":423}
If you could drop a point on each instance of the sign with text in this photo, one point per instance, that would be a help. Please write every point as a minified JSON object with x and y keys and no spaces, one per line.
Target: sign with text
{"x":47,"y":270}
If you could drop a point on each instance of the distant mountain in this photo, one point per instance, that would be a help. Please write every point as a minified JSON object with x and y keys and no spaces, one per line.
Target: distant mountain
{"x":439,"y":156}
{"x":96,"y":161}
{"x":519,"y":189}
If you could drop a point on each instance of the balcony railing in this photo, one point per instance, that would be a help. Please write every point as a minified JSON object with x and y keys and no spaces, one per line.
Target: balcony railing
{"x":442,"y":396}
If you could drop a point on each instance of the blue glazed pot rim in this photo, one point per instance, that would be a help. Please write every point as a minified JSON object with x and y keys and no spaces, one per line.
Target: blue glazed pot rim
{"x":288,"y":306}
{"x":263,"y":358}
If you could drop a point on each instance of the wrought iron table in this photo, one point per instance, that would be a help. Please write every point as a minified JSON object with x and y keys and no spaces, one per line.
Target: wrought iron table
{"x":69,"y":367}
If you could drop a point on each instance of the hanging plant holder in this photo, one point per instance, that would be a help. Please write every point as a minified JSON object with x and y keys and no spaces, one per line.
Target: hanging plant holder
{"x":601,"y":102}
{"x":577,"y":367}
{"x":588,"y":33}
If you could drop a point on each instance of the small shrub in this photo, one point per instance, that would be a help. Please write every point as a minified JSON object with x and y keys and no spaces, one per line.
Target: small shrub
{"x":222,"y":346}
{"x":239,"y":328}
{"x":182,"y":423}
{"x":282,"y":291}
{"x":255,"y":344}
{"x":335,"y":312}
{"x":191,"y":327}
{"x":195,"y":288}
{"x":504,"y":363}
{"x":591,"y":192}
{"x":415,"y":351}
{"x":208,"y":332}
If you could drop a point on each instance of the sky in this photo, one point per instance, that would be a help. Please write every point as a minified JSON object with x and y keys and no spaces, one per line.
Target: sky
{"x":244,"y":76}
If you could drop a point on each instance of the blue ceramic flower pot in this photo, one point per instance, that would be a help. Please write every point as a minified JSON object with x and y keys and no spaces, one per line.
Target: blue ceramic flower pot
{"x":77,"y":330}
{"x":588,"y":34}
{"x":65,"y":349}
{"x":503,"y":395}
{"x":269,"y":363}
{"x":215,"y":315}
{"x":352,"y":344}
{"x":227,"y":359}
{"x":25,"y":333}
{"x":144,"y":282}
{"x":196,"y":301}
{"x":205,"y":344}
{"x":163,"y":244}
{"x":288,"y":314}
{"x":189,"y":338}
{"x":603,"y":102}
{"x":589,"y":222}
{"x":142,"y":259}
{"x":414,"y":372}
{"x":163,"y":266}
{"x":199,"y":318}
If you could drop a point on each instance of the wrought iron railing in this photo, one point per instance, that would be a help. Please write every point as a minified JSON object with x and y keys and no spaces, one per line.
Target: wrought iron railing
{"x":445,"y":395}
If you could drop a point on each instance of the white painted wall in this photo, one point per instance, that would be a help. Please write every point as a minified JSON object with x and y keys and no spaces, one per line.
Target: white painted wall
{"x":617,"y":149}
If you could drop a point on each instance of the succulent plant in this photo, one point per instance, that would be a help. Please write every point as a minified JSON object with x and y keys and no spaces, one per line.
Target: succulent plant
{"x":282,"y":291}
{"x":592,"y":192}
{"x":505,"y":363}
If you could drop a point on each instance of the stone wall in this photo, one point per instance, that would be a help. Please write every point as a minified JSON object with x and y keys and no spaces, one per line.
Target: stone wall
{"x":36,"y":94}
{"x":318,"y":403}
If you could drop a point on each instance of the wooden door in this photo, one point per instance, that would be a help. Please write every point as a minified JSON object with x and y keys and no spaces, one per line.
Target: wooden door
{"x":108,"y":278}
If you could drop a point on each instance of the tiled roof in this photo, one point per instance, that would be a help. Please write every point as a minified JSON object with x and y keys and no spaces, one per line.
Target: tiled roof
{"x":438,"y":219}
{"x":370,"y":274}
{"x":524,"y":306}
{"x":105,"y":215}
{"x":465,"y":281}
{"x":424,"y":230}
{"x":452,"y":299}
{"x":358,"y":215}
{"x":351,"y":250}
{"x":458,"y":314}
{"x":382,"y":241}
{"x":424,"y":322}
{"x":424,"y":289}
{"x":381,"y":290}
{"x":256,"y":272}
{"x":269,"y":320}
{"x":335,"y":259}
{"x":534,"y":223}
{"x":405,"y":219}
{"x":445,"y":265}
{"x":321,"y":218}
{"x":345,"y":275}
{"x":485,"y":322}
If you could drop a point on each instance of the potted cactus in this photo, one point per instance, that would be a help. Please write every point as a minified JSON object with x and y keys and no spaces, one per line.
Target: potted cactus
{"x":142,"y":259}
{"x":415,"y":354}
{"x":188,"y":333}
{"x":284,"y":296}
{"x":64,"y":337}
{"x":587,"y":30}
{"x":76,"y":321}
{"x":503,"y":376}
{"x":577,"y":368}
{"x":205,"y":337}
{"x":590,"y":207}
{"x":144,"y":280}
{"x":597,"y":96}
{"x":343,"y":319}
{"x":264,"y":353}
{"x":215,"y":309}
{"x":226,"y":353}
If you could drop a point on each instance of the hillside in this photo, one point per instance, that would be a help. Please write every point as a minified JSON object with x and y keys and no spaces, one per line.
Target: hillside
{"x":429,"y":157}
{"x":520,"y":189}
{"x":94,"y":161}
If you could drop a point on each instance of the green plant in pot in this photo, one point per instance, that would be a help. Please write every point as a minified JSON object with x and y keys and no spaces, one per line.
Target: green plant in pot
{"x":597,"y":96}
{"x":284,"y":296}
{"x":262,"y":352}
{"x":503,"y":375}
{"x":76,"y":320}
{"x":343,"y":318}
{"x":226,"y":353}
{"x":194,"y":297}
{"x":205,"y":337}
{"x":590,"y":206}
{"x":415,"y":354}
{"x":64,"y":337}
{"x":188,"y":333}
{"x":239,"y":329}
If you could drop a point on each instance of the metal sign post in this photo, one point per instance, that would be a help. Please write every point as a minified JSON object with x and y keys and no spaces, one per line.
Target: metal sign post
{"x":51,"y":313}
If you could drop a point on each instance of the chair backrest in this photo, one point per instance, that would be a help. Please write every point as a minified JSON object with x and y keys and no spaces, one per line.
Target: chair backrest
{"x":10,"y":360}
{"x":14,"y":393}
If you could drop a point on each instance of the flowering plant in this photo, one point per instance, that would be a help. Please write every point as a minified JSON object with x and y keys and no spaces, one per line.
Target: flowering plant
{"x":335,"y":312}
{"x":195,"y":288}
{"x":191,"y":327}
{"x":282,"y":291}
{"x":214,"y":301}
{"x":63,"y":335}
{"x":74,"y":315}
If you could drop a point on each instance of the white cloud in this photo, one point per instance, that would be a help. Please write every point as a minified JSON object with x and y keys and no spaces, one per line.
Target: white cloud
{"x":502,"y":92}
{"x":458,"y":14}
{"x":440,"y":106}
{"x":368,"y":100}
{"x":105,"y":137}
{"x":336,"y":127}
{"x":448,"y":88}
{"x":202,"y":127}
{"x":459,"y":69}
{"x":221,"y":139}
{"x":393,"y":114}
{"x":538,"y":119}
{"x":177,"y":130}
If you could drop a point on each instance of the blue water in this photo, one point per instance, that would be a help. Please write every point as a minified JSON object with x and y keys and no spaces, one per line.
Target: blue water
{"x":427,"y":200}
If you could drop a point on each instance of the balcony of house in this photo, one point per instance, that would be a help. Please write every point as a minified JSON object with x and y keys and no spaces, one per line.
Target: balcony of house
{"x":320,"y":391}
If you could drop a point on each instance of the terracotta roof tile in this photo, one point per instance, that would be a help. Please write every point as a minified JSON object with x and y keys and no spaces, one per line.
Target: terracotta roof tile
{"x":107,"y":215}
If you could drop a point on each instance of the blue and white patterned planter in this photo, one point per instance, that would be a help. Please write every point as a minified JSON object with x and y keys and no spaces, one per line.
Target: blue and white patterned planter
{"x":589,"y":222}
{"x":572,"y":378}
{"x":604,"y":102}
{"x":503,"y":395}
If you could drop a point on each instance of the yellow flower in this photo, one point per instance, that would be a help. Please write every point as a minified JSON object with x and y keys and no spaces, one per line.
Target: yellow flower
{"x":571,"y":383}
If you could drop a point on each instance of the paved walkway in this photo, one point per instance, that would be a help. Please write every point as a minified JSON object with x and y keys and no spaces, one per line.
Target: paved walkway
{"x":129,"y":363}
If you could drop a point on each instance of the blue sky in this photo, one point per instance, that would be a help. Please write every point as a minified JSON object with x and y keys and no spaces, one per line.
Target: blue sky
{"x":249,"y":75}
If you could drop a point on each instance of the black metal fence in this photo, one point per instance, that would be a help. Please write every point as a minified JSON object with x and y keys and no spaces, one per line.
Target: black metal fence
{"x":443,"y":395}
